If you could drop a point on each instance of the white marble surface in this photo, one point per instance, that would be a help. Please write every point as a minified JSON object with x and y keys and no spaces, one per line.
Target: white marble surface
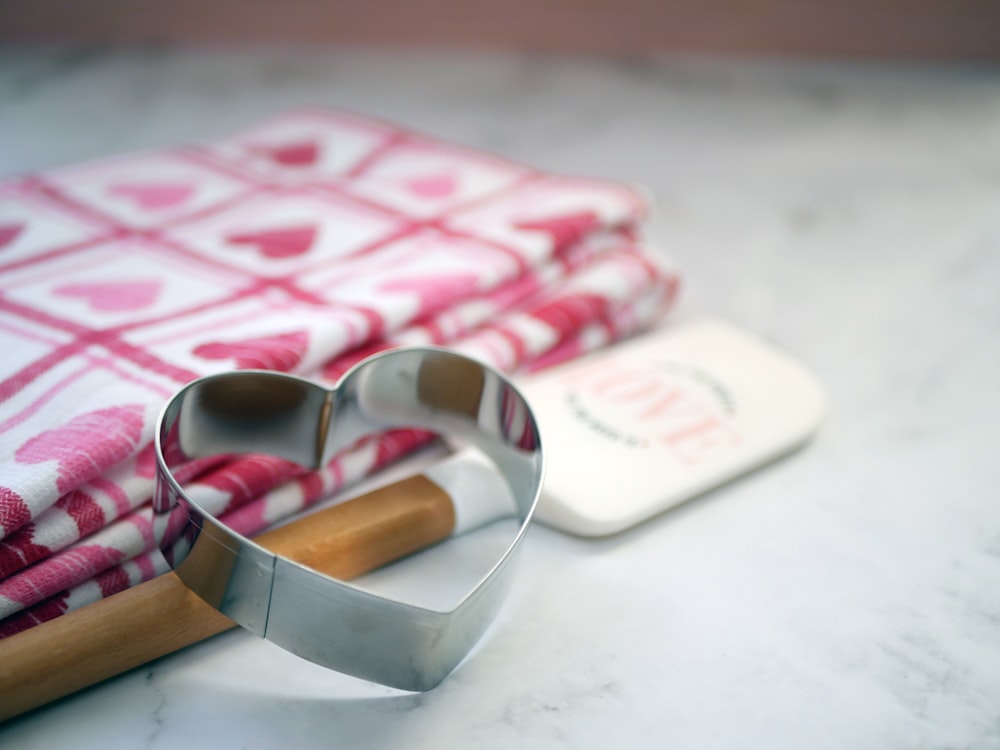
{"x":848,"y":597}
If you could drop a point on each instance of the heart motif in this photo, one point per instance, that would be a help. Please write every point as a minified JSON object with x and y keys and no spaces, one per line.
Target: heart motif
{"x":432,"y":187}
{"x":434,"y":292}
{"x":86,"y":512}
{"x":88,"y":559}
{"x":153,"y":196}
{"x":298,"y":154}
{"x":19,"y":550}
{"x":279,"y":352}
{"x":10,"y":232}
{"x":570,"y":313}
{"x":14,"y":512}
{"x":50,"y":609}
{"x":277,"y":243}
{"x":122,"y":296}
{"x":360,"y":632}
{"x":565,"y":229}
{"x":86,"y":445}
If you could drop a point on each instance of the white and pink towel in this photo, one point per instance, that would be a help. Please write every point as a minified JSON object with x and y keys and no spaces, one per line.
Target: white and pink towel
{"x":300,"y":245}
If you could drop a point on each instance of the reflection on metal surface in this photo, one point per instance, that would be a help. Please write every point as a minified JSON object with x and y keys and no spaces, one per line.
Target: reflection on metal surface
{"x":319,"y":618}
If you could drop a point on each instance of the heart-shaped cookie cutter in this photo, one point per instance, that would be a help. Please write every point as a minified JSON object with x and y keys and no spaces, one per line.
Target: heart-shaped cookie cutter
{"x":319,"y":618}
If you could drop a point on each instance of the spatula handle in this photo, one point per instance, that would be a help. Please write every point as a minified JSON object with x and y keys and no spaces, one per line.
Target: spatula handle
{"x":162,"y":615}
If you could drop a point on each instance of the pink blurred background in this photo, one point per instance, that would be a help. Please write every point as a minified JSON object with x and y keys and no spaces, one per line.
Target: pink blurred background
{"x":914,"y":29}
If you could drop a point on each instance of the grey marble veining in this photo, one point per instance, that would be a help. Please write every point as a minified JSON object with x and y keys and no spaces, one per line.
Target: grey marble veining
{"x":844,"y":598}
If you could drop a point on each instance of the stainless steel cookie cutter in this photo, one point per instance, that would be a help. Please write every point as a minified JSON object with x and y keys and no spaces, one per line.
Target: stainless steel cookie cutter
{"x":321,"y":619}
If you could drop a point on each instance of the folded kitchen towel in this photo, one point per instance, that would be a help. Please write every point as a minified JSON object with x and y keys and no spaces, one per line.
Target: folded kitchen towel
{"x":300,"y":245}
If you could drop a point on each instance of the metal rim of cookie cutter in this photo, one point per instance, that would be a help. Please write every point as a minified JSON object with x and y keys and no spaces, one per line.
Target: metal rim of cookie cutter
{"x":321,"y":619}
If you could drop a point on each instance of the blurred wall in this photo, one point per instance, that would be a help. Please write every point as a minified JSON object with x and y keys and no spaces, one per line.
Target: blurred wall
{"x":932,"y":29}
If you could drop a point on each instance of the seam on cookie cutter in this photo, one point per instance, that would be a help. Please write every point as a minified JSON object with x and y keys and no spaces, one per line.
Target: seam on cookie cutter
{"x":322,"y":619}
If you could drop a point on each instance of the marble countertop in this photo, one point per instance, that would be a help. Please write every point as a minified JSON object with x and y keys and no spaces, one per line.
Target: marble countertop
{"x":845,"y":597}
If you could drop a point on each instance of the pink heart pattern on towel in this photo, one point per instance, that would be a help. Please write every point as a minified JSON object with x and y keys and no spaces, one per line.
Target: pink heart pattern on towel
{"x":300,"y":244}
{"x":153,"y":196}
{"x":92,"y":558}
{"x":431,"y":290}
{"x":298,"y":154}
{"x":14,"y":512}
{"x":87,"y":444}
{"x":565,"y":229}
{"x":279,"y":352}
{"x":433,"y":186}
{"x":125,"y":296}
{"x":277,"y":243}
{"x":10,"y":232}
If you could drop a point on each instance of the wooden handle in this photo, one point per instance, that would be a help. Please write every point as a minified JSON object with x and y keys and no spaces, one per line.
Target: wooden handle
{"x":158,"y":617}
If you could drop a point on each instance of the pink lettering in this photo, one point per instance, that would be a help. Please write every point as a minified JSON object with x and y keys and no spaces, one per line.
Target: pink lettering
{"x":695,"y":441}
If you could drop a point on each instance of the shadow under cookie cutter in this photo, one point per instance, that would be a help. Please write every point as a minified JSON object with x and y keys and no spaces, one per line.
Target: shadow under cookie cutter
{"x":319,"y":618}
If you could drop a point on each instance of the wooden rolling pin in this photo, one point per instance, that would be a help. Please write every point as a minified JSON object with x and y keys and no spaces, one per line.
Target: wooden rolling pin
{"x":160,"y":616}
